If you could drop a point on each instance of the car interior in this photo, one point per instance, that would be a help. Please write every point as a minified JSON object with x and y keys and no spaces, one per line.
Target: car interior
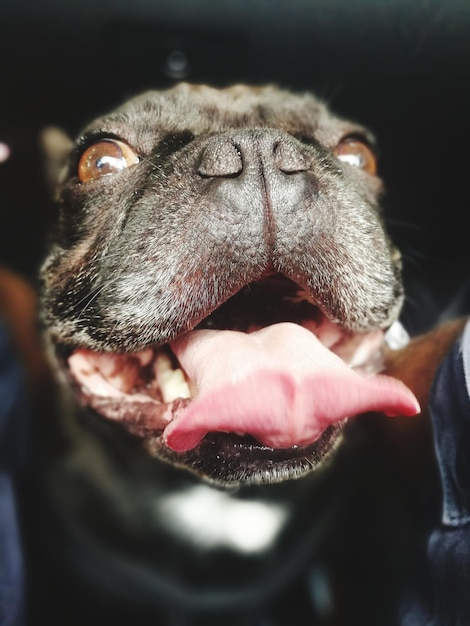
{"x":400,"y":68}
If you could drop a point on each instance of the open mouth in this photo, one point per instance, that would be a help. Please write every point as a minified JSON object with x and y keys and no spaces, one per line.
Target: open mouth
{"x":266,"y":379}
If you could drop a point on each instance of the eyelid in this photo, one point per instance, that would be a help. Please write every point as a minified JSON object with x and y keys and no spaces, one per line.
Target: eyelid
{"x":367,"y":139}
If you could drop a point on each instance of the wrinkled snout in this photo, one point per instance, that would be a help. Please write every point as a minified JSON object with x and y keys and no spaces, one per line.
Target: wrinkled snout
{"x":229,"y":156}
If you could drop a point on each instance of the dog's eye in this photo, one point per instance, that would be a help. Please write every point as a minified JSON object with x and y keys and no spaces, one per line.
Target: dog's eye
{"x":357,"y":153}
{"x":107,"y":156}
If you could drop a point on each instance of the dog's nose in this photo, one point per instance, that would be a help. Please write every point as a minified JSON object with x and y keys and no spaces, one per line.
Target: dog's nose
{"x":228,"y":156}
{"x":220,"y":158}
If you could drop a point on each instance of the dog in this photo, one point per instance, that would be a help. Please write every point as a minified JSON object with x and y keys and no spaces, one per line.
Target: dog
{"x":214,"y":304}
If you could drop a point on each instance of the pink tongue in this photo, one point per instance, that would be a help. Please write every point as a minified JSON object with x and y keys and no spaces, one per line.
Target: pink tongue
{"x":278,"y":384}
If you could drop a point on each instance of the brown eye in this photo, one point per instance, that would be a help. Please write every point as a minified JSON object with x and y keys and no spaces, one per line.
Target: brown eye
{"x":357,"y":153}
{"x":107,"y":156}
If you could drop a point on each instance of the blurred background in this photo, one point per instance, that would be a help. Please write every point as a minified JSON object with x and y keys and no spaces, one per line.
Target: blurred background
{"x":400,"y":67}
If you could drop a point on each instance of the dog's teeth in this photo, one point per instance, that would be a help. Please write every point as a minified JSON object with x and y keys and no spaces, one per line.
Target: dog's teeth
{"x":396,"y":336}
{"x":175,"y":386}
{"x":171,"y":382}
{"x":161,"y":365}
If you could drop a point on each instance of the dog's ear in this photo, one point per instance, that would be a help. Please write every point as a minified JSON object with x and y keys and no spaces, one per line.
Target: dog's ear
{"x":55,"y":146}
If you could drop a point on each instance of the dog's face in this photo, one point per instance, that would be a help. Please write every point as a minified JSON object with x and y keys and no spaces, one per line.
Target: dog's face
{"x":219,"y":275}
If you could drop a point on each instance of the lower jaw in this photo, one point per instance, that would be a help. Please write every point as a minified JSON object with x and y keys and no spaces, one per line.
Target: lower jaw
{"x":230,"y":459}
{"x":221,"y":457}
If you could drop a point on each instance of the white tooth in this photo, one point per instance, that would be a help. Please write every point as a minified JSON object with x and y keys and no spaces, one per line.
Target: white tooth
{"x":396,"y":336}
{"x":161,"y":365}
{"x":171,"y":382}
{"x":174,"y":386}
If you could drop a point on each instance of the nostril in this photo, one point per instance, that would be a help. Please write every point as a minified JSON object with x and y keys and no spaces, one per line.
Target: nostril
{"x":222,"y":158}
{"x":289,"y":158}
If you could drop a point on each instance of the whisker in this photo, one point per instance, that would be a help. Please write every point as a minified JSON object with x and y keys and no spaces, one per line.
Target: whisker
{"x":93,"y":295}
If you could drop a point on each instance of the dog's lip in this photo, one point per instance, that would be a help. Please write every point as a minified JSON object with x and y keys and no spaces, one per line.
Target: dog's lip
{"x":227,"y":457}
{"x":277,"y":403}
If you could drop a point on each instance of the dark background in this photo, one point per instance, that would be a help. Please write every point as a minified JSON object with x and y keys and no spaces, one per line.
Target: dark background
{"x":401,"y":67}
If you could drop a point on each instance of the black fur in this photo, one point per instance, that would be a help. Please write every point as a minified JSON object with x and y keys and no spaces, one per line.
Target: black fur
{"x":231,"y":184}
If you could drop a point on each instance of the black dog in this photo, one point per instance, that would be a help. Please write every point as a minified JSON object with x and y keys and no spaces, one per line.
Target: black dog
{"x":214,"y":302}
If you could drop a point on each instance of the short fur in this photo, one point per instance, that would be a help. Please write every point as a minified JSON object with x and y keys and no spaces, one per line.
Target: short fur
{"x":137,"y":259}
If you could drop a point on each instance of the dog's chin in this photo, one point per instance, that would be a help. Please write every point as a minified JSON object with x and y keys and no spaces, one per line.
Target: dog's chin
{"x":231,"y":437}
{"x":229,"y":459}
